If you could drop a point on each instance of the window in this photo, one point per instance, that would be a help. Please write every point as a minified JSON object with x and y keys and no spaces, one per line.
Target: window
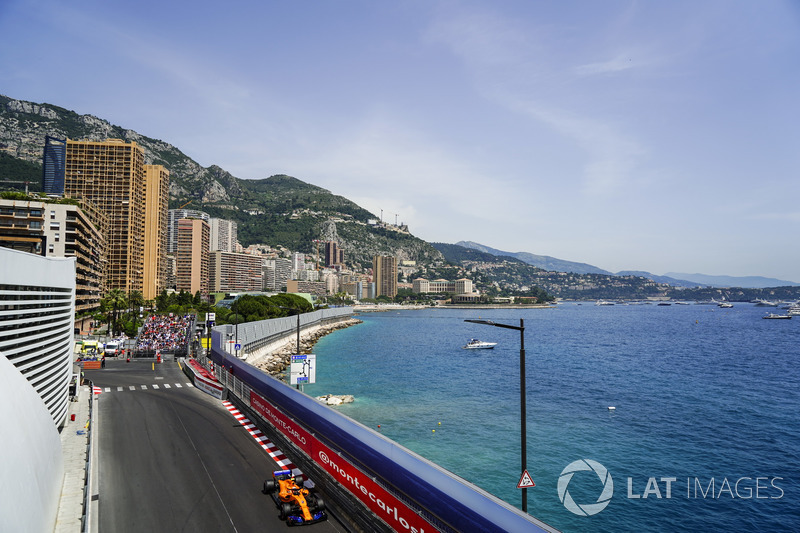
{"x":52,"y":214}
{"x":35,"y":224}
{"x":58,"y":236}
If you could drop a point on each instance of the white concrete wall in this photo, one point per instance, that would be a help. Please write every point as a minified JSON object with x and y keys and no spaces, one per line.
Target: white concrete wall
{"x":31,"y":459}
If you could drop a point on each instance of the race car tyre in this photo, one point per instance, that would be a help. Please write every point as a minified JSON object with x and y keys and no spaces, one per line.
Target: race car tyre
{"x":269,"y":486}
{"x":298,"y":480}
{"x":320,"y":503}
{"x":286,"y":510}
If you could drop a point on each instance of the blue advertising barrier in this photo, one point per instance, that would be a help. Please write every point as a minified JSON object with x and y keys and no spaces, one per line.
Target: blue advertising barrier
{"x":435,"y":492}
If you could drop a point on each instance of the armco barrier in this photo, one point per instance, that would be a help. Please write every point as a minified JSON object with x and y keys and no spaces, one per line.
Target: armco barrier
{"x":406,"y":491}
{"x":202,"y":378}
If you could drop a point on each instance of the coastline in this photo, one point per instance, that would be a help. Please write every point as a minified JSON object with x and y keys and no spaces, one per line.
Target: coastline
{"x":277,"y":361}
{"x":379,"y":308}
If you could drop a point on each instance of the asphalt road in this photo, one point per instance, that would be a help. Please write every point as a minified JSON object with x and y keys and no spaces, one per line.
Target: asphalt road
{"x":172,"y":458}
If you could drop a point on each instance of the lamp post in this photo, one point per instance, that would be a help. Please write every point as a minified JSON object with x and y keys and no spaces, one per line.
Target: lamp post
{"x":236,"y":314}
{"x":298,"y":322}
{"x":522,"y":401}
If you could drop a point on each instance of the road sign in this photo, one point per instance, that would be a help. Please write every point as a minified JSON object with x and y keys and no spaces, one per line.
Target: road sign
{"x":525,"y":481}
{"x":237,"y":346}
{"x":303,"y":369}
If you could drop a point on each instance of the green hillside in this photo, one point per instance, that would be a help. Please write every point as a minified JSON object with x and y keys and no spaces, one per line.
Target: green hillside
{"x":279,"y":211}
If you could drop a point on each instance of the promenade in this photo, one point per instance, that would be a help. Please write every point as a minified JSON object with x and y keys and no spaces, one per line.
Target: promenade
{"x":75,"y":449}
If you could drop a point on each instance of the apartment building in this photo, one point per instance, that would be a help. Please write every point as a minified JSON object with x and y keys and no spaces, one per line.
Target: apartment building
{"x":155,"y":230}
{"x":64,"y":229}
{"x":223,"y":235}
{"x":276,"y":273}
{"x":384,"y":272}
{"x":333,"y":254}
{"x":191,"y":257}
{"x":173,"y":216}
{"x":317,"y":288}
{"x":233,"y":272}
{"x":112,"y":175}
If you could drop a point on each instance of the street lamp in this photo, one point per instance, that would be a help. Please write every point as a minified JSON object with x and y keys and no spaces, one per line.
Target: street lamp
{"x":522,"y":402}
{"x":298,"y":311}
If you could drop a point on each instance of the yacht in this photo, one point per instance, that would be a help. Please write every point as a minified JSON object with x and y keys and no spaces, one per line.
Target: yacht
{"x":764,"y":303}
{"x":475,"y":344}
{"x":774,"y":316}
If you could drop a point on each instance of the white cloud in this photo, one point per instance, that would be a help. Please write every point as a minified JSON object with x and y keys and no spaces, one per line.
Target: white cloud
{"x":617,"y":64}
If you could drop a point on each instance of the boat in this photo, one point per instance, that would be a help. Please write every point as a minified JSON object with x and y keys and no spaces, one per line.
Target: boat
{"x":776,"y":316}
{"x":760,"y":302}
{"x":603,"y":302}
{"x":725,"y":305}
{"x":793,"y":310}
{"x":475,"y":344}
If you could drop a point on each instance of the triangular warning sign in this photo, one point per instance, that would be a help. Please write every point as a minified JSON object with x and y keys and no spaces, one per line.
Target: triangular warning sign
{"x":525,"y":481}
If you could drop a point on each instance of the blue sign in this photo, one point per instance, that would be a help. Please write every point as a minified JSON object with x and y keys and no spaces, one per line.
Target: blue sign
{"x":237,"y":346}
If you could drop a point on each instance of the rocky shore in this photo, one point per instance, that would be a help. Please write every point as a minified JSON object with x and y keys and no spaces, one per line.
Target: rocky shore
{"x":276,"y":362}
{"x":334,"y":399}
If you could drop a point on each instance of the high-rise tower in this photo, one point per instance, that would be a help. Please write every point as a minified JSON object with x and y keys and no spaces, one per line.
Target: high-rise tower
{"x":384,"y":271}
{"x":112,"y":175}
{"x":55,"y":153}
{"x":155,"y":229}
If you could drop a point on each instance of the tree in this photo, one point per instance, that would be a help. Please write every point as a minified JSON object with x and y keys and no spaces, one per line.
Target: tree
{"x":117,"y":300}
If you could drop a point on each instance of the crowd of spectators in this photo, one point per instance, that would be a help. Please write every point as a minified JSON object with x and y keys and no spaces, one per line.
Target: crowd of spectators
{"x":165,"y":333}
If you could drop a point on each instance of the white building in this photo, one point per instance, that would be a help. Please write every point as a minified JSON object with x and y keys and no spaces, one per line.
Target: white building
{"x":224,"y":237}
{"x":37,"y":310}
{"x":173,"y":216}
{"x":276,"y":273}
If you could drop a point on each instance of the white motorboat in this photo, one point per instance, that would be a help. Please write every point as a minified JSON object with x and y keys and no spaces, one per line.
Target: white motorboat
{"x":725,"y":305}
{"x":475,"y":344}
{"x":760,"y":302}
{"x":774,"y":316}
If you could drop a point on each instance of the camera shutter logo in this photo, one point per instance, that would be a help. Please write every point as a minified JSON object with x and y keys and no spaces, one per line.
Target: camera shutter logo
{"x":586,"y":509}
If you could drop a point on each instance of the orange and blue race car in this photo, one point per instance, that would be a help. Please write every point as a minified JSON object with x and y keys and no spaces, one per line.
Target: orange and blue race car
{"x":298,"y":506}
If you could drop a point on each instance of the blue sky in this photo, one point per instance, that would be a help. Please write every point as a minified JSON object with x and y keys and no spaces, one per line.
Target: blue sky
{"x":658,"y":136}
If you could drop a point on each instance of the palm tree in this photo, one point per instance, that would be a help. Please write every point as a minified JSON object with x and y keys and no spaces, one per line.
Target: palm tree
{"x":116,"y":298}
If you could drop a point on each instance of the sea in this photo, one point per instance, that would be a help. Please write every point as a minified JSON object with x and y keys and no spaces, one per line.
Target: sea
{"x":704,"y":434}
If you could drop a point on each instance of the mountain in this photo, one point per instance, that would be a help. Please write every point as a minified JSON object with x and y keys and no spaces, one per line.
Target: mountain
{"x":545,"y":262}
{"x":749,"y":282}
{"x":668,"y":280}
{"x":673,"y":279}
{"x":279,"y":210}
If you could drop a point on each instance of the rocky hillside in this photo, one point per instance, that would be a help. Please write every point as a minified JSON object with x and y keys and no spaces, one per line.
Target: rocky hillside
{"x":280,"y":210}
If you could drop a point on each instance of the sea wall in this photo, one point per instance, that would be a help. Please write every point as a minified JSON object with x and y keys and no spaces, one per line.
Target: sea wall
{"x":274,"y":357}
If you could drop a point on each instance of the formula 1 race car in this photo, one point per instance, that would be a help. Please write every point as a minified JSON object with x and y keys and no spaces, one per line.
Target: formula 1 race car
{"x":298,"y":506}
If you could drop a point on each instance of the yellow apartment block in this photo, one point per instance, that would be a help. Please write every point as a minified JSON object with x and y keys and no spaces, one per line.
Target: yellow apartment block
{"x":384,"y":271}
{"x":111,"y":174}
{"x":155,"y":230}
{"x":191,"y":257}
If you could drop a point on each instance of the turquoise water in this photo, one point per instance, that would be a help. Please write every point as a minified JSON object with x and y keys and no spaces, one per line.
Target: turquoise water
{"x":700,"y":393}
